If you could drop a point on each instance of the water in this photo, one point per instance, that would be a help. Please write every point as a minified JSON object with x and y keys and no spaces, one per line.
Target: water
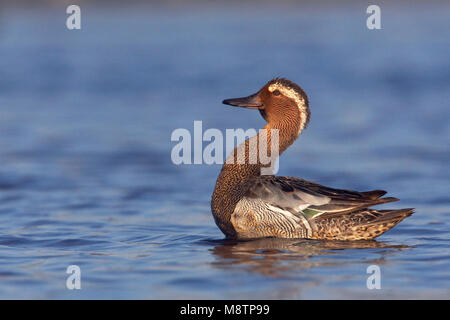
{"x":86,"y":177}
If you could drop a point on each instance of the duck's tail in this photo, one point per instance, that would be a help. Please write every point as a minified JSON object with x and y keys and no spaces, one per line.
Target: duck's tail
{"x":364,"y":224}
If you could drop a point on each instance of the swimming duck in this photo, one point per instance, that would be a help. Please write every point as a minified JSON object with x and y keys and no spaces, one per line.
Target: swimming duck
{"x":246,"y":204}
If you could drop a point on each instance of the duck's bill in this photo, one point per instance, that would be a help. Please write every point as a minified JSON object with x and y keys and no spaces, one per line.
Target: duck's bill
{"x":250,"y":102}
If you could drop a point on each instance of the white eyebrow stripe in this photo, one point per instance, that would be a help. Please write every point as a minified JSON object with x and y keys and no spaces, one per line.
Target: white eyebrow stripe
{"x":291,"y":93}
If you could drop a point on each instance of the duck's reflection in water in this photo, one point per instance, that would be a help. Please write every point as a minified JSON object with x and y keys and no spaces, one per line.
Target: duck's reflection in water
{"x":277,"y":257}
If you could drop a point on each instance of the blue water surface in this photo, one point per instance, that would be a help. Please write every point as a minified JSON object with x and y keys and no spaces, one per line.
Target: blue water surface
{"x":86,"y":176}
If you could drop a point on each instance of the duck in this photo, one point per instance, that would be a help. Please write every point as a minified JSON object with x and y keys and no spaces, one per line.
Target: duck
{"x":247,"y":204}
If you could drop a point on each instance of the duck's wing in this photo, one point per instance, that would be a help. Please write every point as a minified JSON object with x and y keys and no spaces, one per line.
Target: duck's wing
{"x":292,"y":207}
{"x":311,"y":199}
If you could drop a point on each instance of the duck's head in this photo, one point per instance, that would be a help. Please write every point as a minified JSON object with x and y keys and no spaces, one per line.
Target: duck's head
{"x":279,"y":101}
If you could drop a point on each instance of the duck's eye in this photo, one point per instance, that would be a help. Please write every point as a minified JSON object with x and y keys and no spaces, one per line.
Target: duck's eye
{"x":276,"y":92}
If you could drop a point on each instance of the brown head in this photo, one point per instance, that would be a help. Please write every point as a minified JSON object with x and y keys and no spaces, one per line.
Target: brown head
{"x":281,"y":102}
